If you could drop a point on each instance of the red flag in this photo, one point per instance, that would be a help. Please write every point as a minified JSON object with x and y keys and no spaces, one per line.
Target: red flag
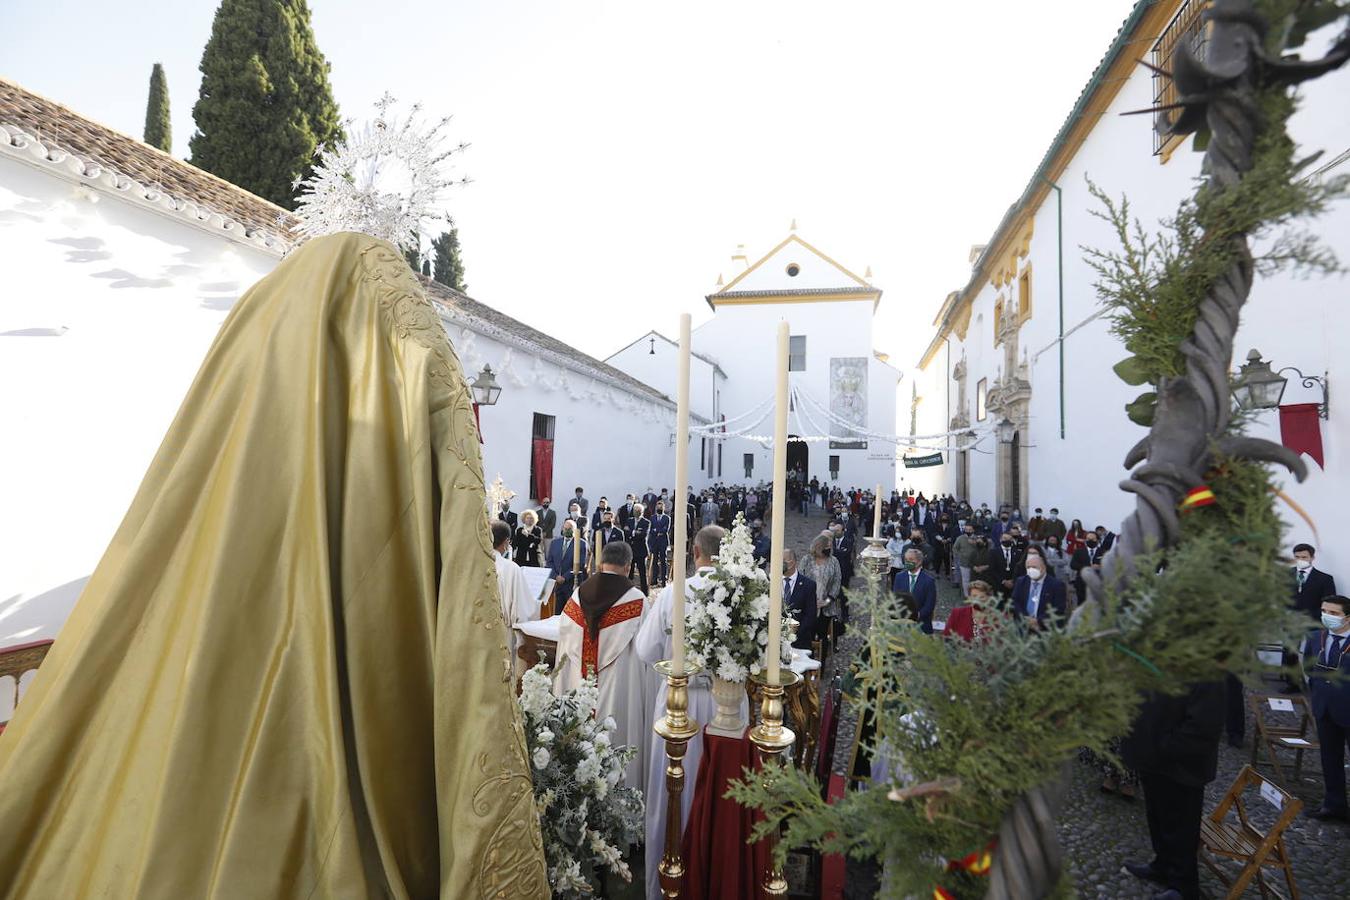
{"x":1301,"y":430}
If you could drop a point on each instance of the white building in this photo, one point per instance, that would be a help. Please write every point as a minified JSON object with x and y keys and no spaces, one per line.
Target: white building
{"x":1025,"y":340}
{"x":118,"y":264}
{"x":845,"y":387}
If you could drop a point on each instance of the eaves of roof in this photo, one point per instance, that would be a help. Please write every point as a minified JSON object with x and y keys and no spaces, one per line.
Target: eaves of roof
{"x":1100,"y":86}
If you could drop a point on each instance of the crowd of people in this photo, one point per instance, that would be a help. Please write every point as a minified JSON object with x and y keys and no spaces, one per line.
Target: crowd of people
{"x":1010,"y":570}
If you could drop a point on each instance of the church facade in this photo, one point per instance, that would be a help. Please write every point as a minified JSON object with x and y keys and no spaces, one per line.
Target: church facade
{"x":843,"y":392}
{"x":1027,"y":346}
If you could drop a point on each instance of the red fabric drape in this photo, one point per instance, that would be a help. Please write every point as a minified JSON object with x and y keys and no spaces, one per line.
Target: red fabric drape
{"x":718,"y":863}
{"x":543,"y":468}
{"x":1301,"y":430}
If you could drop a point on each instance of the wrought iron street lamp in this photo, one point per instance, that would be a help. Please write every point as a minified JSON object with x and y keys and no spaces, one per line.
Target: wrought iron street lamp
{"x":485,"y":388}
{"x":1257,"y":387}
{"x":1005,"y":430}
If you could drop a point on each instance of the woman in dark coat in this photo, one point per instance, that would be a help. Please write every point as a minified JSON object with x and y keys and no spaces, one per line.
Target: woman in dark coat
{"x":526,"y":539}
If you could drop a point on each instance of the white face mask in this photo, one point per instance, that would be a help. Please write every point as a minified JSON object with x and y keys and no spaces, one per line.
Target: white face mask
{"x":1035,"y":574}
{"x":1303,"y":565}
{"x":1333,"y":623}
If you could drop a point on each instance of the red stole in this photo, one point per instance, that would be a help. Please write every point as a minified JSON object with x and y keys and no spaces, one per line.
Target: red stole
{"x":590,"y":645}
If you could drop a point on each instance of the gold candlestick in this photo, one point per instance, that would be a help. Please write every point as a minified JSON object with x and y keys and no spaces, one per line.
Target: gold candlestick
{"x":771,"y":737}
{"x":676,"y":728}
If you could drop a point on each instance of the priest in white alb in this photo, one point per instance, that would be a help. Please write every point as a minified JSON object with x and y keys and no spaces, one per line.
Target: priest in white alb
{"x":596,"y":638}
{"x":518,"y":604}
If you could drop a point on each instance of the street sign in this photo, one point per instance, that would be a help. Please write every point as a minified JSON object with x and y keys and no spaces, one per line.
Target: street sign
{"x":923,"y":462}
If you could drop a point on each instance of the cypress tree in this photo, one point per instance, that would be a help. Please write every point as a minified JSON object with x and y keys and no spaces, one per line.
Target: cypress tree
{"x":265,"y":103}
{"x":448,"y":264}
{"x":157,"y":128}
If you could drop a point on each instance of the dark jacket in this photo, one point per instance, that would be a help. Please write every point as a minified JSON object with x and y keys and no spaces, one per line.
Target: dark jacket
{"x":1177,"y":737}
{"x":1330,"y":698}
{"x":925,"y":596}
{"x":802,"y":604}
{"x":1053,"y":596}
{"x":1316,"y":587}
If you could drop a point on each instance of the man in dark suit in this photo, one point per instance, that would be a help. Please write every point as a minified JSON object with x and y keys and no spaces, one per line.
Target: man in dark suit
{"x":915,"y":581}
{"x":1311,"y":585}
{"x":507,"y":516}
{"x":1010,"y":562}
{"x":799,"y":596}
{"x":581,"y":501}
{"x":560,"y":559}
{"x":626,"y":512}
{"x":548,"y":518}
{"x":1105,"y":537}
{"x":1037,"y":594}
{"x":1174,"y":747}
{"x":842,"y":548}
{"x":1326,"y":661}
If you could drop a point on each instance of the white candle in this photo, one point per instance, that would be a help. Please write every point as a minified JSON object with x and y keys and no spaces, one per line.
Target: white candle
{"x":779,"y":503}
{"x":876,"y":515}
{"x":679,"y":500}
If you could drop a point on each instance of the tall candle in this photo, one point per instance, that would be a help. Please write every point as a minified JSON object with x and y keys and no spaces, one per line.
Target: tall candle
{"x":599,"y":548}
{"x":779,"y":503}
{"x":876,"y":514}
{"x":680,"y":498}
{"x":576,"y":554}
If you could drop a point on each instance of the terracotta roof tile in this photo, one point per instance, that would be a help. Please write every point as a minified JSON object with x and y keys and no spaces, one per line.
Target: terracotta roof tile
{"x":51,"y":123}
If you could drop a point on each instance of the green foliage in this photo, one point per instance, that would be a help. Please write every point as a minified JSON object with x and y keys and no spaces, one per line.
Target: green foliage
{"x":447,"y":262}
{"x":265,"y":103}
{"x":157,"y":127}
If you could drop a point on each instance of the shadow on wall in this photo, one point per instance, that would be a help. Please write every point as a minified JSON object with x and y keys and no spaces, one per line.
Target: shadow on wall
{"x":39,"y":617}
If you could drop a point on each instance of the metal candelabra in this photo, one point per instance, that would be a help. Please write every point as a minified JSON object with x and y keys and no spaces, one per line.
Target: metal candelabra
{"x":772,"y":738}
{"x":676,"y":728}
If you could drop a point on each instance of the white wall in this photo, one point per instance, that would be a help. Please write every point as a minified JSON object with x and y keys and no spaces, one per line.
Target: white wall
{"x":1292,"y":321}
{"x":742,"y":339}
{"x":106,"y":311}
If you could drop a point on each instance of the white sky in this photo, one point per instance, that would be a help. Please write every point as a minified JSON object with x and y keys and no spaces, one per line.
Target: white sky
{"x":622,"y":148}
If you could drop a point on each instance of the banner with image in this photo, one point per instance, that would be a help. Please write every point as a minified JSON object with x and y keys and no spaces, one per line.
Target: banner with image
{"x":848,"y":399}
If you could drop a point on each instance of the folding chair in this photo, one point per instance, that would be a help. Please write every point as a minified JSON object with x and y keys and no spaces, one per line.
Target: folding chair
{"x":1275,"y":736}
{"x":1244,"y":842}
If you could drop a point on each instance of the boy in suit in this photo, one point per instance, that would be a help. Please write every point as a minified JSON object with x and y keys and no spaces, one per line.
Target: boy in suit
{"x":1311,"y":585}
{"x":1326,"y":661}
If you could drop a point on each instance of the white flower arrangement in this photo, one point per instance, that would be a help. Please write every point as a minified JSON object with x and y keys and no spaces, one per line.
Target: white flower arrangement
{"x":588,"y":817}
{"x":727,"y":620}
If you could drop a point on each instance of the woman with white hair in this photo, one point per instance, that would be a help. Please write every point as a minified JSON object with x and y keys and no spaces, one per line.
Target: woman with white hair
{"x":526,"y":540}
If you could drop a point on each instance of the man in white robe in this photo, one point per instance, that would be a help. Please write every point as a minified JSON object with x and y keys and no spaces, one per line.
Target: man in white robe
{"x":595,"y":637}
{"x":654,"y":645}
{"x":518,"y":605}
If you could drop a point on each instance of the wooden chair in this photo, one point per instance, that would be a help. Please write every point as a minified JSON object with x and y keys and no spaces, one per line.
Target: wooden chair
{"x":1274,"y":735}
{"x":18,"y":660}
{"x":1244,"y":842}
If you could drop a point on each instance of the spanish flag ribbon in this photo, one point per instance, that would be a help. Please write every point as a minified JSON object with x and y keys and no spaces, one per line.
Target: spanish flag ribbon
{"x":1196,"y":497}
{"x":941,"y":893}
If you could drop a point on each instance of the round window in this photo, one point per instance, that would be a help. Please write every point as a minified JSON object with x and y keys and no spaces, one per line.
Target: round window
{"x":793,"y":269}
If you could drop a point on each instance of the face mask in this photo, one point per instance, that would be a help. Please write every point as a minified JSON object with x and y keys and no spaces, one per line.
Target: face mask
{"x":1006,"y":543}
{"x":1003,"y":518}
{"x":1332,"y":623}
{"x":911,"y":565}
{"x":1035,"y":574}
{"x":545,"y":506}
{"x":1092,"y":543}
{"x":1303,"y":564}
{"x":969,"y":532}
{"x":1053,"y":517}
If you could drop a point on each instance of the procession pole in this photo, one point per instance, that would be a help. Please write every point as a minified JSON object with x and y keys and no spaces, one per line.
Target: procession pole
{"x":770,"y":736}
{"x":676,"y":728}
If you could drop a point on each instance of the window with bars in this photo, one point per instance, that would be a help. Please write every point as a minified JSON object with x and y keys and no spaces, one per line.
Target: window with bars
{"x":834,"y":468}
{"x":1187,"y":26}
{"x":797,"y":353}
{"x":749,"y":464}
{"x":544,"y":425}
